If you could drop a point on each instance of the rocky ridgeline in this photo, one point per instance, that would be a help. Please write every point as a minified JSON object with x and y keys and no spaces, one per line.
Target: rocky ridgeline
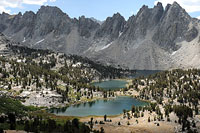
{"x":154,"y":38}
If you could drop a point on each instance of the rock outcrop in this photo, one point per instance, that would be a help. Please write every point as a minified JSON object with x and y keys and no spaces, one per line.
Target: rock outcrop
{"x":154,"y":38}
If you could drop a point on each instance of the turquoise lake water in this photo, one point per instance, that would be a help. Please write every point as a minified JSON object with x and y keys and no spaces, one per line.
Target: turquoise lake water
{"x":111,"y":84}
{"x":108,"y":107}
{"x":118,"y":84}
{"x":144,"y":73}
{"x":100,"y":107}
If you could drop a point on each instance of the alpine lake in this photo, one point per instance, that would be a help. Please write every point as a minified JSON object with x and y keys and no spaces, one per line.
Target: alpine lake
{"x":103,"y":107}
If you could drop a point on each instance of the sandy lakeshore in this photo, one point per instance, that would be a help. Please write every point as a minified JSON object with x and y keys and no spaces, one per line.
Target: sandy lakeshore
{"x":137,"y":125}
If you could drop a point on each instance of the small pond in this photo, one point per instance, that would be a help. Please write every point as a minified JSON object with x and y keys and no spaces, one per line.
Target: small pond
{"x":118,"y":84}
{"x":144,"y":73}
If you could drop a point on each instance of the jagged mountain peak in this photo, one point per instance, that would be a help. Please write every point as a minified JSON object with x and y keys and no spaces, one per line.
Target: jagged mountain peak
{"x":49,"y":9}
{"x":145,"y":41}
{"x":142,"y":9}
{"x":176,"y":10}
{"x":146,"y":19}
{"x":96,"y":20}
{"x":19,"y":14}
{"x":175,"y":4}
{"x":117,"y":15}
{"x":4,"y":13}
{"x":159,"y":4}
{"x":28,"y":16}
{"x":173,"y":25}
{"x":51,"y":12}
{"x":111,"y":27}
{"x":27,"y":13}
{"x":83,"y":18}
{"x":86,"y":26}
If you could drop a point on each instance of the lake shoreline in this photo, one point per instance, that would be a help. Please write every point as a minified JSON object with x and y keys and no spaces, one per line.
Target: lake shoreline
{"x":73,"y":110}
{"x":123,"y":79}
{"x":117,"y":93}
{"x":111,"y":84}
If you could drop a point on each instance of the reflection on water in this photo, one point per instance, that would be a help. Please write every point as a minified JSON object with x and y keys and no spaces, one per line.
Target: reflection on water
{"x":100,"y":107}
{"x":91,"y":103}
{"x":77,"y":105}
{"x":58,"y":110}
{"x":108,"y":107}
{"x":63,"y":109}
{"x":118,"y":84}
{"x":84,"y":104}
{"x":111,"y":84}
{"x":105,"y":101}
{"x":144,"y":73}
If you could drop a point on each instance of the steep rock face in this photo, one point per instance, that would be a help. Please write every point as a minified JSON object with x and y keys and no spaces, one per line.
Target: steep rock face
{"x":15,"y":23}
{"x":52,"y":19}
{"x":86,"y":26}
{"x":191,"y":34}
{"x":154,"y":38}
{"x":173,"y":25}
{"x":49,"y":28}
{"x":105,"y":35}
{"x":4,"y":17}
{"x":146,"y":19}
{"x":18,"y":22}
{"x":112,"y":27}
{"x":27,"y":21}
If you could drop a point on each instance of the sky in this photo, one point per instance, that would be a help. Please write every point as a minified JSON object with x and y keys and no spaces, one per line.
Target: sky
{"x":99,"y":9}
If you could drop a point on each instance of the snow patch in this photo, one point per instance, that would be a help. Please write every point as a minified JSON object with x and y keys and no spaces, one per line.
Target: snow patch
{"x":77,"y":64}
{"x":39,"y":41}
{"x":120,"y":33}
{"x":106,"y":46}
{"x":24,"y":39}
{"x":174,"y":53}
{"x":90,"y":48}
